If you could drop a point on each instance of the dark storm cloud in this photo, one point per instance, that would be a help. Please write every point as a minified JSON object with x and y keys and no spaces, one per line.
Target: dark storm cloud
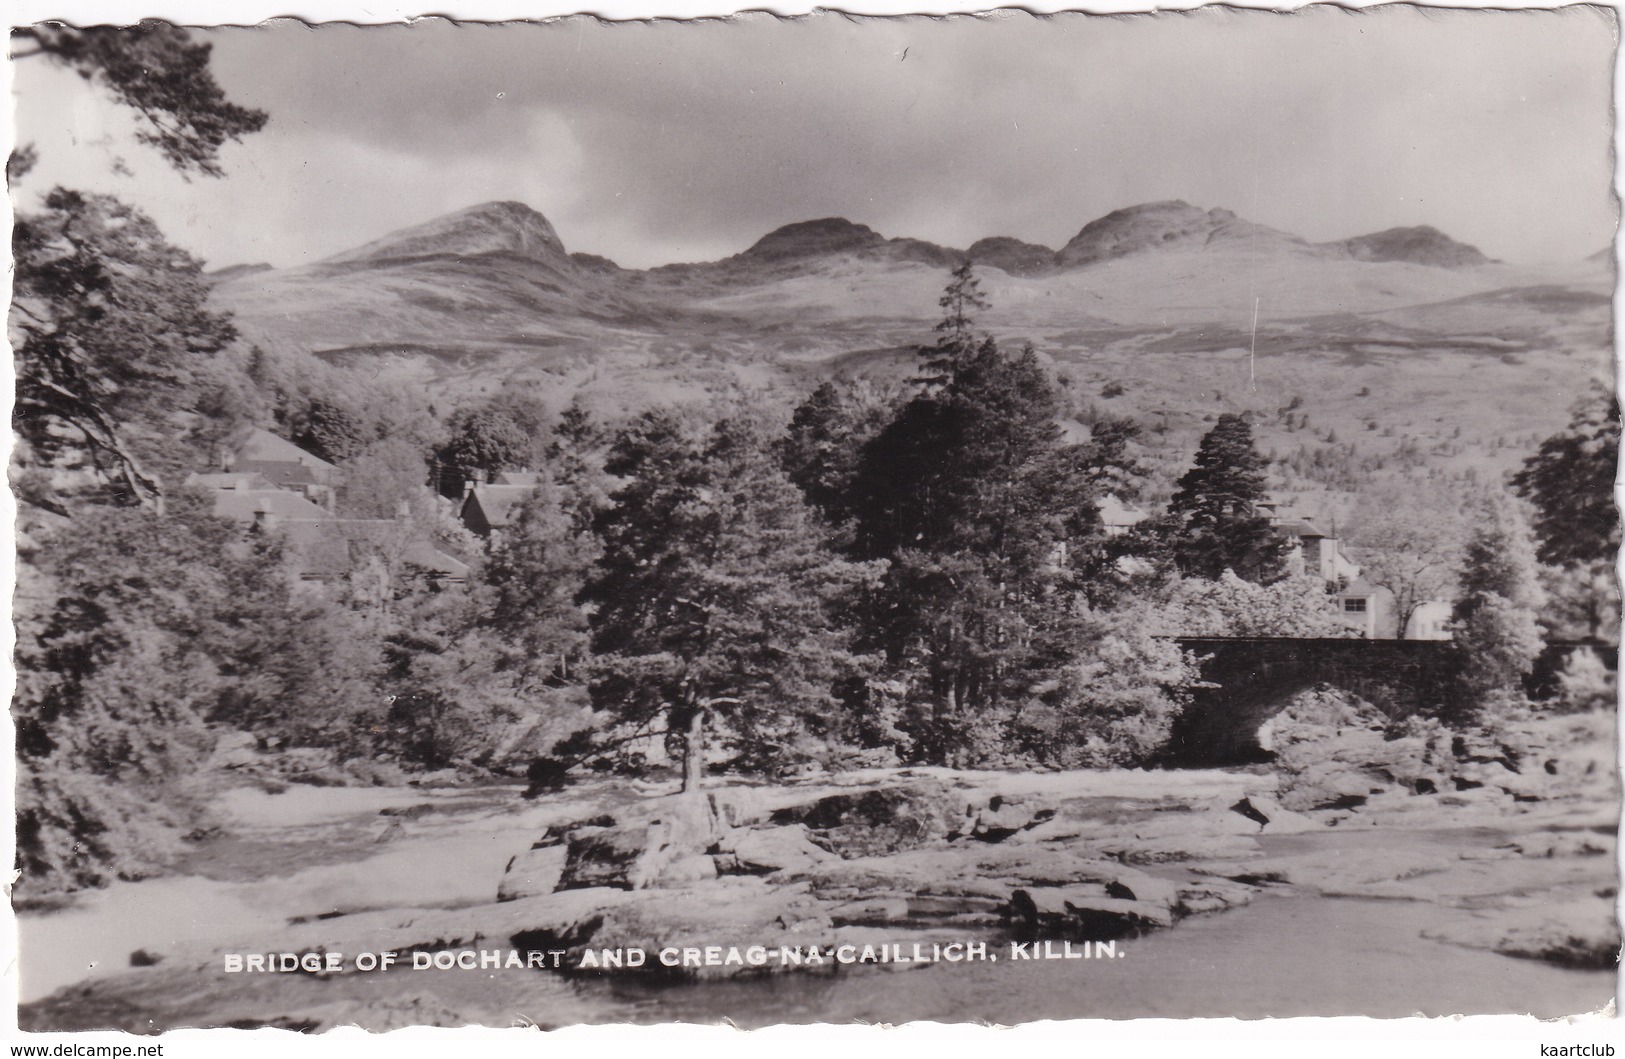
{"x":658,"y":141}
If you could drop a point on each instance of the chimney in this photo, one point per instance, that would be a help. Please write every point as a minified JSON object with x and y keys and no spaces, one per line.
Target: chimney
{"x":228,"y":459}
{"x":265,"y":519}
{"x":403,"y":510}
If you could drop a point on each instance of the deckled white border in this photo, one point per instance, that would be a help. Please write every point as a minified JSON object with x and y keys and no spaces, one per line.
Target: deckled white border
{"x":1489,"y":1037}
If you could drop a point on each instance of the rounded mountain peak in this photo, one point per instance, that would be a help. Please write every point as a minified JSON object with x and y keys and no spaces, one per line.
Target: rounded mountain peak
{"x":489,"y":228}
{"x":1171,"y":224}
{"x":828,"y":235}
{"x":1421,"y":245}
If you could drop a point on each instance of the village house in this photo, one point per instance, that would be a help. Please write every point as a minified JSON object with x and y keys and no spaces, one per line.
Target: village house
{"x":488,"y":508}
{"x":1118,"y":517}
{"x":1364,"y":607}
{"x":281,"y":462}
{"x":268,"y":484}
{"x":1316,"y":551}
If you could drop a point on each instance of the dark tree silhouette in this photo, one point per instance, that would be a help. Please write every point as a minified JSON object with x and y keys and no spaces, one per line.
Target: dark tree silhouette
{"x":108,"y":311}
{"x":961,"y":300}
{"x":711,"y":601}
{"x":158,"y":71}
{"x":1571,"y":483}
{"x":1213,"y":524}
{"x":111,"y":321}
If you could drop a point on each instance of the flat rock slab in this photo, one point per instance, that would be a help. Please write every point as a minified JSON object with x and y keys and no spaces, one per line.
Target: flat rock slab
{"x":884,"y":820}
{"x":1580,"y":933}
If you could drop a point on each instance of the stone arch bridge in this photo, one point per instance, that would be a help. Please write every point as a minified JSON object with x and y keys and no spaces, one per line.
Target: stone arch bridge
{"x":1253,"y":678}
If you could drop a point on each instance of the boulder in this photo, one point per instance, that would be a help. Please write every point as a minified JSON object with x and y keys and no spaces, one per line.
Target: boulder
{"x":533,"y":872}
{"x":1200,"y":897}
{"x":1177,"y":848}
{"x":1003,"y":817}
{"x":559,"y":834}
{"x":1332,"y":785}
{"x":1548,"y":844}
{"x":737,"y":806}
{"x":1084,"y":913}
{"x":735,"y":912}
{"x":1579,"y":933}
{"x":872,"y":912}
{"x":685,"y":869}
{"x":651,"y":846}
{"x":768,"y":850}
{"x":884,"y":820}
{"x":1271,"y":816}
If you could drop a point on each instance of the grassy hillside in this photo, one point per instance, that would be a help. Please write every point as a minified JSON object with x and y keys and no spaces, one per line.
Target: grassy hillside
{"x":1463,"y":366}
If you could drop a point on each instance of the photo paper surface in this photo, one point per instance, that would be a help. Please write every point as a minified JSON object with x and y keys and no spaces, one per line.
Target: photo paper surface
{"x":815,"y":520}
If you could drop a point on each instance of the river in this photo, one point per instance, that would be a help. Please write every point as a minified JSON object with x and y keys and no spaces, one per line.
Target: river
{"x":1282,"y":955}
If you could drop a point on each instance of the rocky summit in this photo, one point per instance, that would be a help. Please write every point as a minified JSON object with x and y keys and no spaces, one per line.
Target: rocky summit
{"x":492,"y":228}
{"x":1424,"y":245}
{"x":1151,"y":303}
{"x":1162,"y":226}
{"x":830,"y":235}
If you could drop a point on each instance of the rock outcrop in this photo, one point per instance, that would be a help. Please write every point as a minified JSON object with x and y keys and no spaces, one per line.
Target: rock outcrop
{"x":490,"y":228}
{"x":1011,"y":255}
{"x":1171,"y":225}
{"x":911,"y":856}
{"x":1423,"y":245}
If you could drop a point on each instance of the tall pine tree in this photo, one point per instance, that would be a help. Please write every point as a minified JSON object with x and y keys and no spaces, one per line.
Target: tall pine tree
{"x":1213,"y":523}
{"x":960,"y":494}
{"x":712,"y":599}
{"x":1571,"y":483}
{"x":1495,"y":623}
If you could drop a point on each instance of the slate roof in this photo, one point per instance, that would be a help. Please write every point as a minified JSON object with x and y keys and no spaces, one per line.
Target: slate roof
{"x":330,"y":547}
{"x":496,"y":502}
{"x":236,"y":480}
{"x":240,"y":505}
{"x":1299,"y":527}
{"x":262,"y":446}
{"x":282,"y":475}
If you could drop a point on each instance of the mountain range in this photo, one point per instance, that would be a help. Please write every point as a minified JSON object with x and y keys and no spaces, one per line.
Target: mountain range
{"x":1159,"y":299}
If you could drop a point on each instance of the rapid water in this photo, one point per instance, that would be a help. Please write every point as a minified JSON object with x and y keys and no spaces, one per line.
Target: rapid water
{"x":1280,"y":956}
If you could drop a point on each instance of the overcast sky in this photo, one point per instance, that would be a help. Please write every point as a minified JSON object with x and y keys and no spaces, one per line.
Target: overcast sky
{"x":651,"y":143}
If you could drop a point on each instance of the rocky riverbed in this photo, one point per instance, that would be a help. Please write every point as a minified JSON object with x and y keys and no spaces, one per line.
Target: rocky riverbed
{"x":802,"y":901}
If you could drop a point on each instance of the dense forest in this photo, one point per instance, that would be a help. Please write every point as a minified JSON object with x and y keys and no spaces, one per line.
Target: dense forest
{"x":865,"y":574}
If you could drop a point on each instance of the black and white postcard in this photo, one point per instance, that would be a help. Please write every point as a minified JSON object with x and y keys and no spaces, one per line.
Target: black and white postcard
{"x":832,"y":519}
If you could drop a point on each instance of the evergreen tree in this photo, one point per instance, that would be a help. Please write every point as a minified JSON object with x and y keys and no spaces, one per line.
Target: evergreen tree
{"x":158,"y":72}
{"x":711,"y":600}
{"x":534,"y":573}
{"x":109,"y":326}
{"x":1495,"y":624}
{"x":108,"y":319}
{"x":1213,"y":524}
{"x":824,"y":443}
{"x":959,"y":493}
{"x":574,"y":459}
{"x":1081,"y":477}
{"x":135,"y":635}
{"x":1570,"y":482}
{"x":961,"y":300}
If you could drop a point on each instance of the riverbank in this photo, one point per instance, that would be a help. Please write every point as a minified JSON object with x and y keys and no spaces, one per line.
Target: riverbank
{"x":1203,"y":892}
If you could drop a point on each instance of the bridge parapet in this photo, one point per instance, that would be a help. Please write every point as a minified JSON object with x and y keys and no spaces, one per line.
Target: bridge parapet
{"x":1251,"y":679}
